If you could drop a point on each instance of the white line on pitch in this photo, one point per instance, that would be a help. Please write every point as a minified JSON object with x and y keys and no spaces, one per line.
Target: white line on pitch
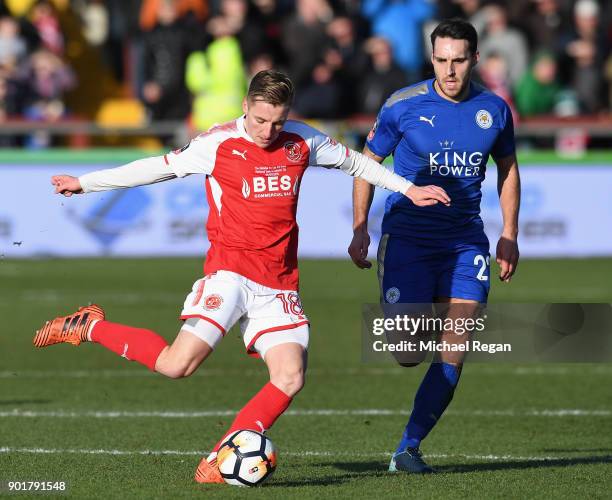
{"x":306,"y":453}
{"x":217,"y":372}
{"x":563,"y":412}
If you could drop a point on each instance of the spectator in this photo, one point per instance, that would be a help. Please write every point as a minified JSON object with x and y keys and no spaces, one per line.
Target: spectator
{"x":321,"y":95}
{"x":382,"y":79}
{"x":348,"y":59}
{"x":12,"y":46}
{"x":95,"y":21}
{"x":44,"y":18}
{"x":47,"y":79}
{"x":9,"y":107}
{"x":584,"y":56}
{"x":508,"y":42}
{"x":545,"y":26}
{"x":494,"y":75}
{"x":305,"y":40}
{"x":217,"y":79}
{"x":269,"y":16}
{"x":401,"y":22}
{"x":123,"y":49}
{"x":9,"y":97}
{"x":166,"y":48}
{"x":311,"y":65}
{"x":239,"y":21}
{"x":194,"y":12}
{"x":538,"y":91}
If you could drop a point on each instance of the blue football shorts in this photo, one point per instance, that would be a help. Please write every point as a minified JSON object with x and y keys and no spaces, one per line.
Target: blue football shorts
{"x":412,"y":272}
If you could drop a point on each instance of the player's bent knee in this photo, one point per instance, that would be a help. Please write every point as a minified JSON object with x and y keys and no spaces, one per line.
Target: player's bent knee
{"x":173,"y":369}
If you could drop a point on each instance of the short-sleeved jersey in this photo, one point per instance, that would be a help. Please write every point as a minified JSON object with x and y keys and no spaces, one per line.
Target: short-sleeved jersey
{"x":436,"y":141}
{"x":253,"y":194}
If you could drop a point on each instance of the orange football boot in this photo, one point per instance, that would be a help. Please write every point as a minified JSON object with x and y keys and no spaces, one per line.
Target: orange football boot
{"x":208,"y":473}
{"x":71,"y":329}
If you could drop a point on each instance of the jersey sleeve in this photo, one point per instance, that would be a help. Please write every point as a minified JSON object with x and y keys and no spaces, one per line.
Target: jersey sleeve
{"x":327,"y":152}
{"x":385,"y":134}
{"x":504,"y":145}
{"x":323,"y":150}
{"x":196,"y":157}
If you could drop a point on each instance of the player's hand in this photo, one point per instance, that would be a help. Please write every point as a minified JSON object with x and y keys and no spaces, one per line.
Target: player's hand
{"x":507,"y":256}
{"x":66,"y":185}
{"x":358,"y":249}
{"x":427,"y":195}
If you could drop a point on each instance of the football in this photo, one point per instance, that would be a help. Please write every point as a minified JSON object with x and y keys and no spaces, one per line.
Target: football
{"x":246,"y":458}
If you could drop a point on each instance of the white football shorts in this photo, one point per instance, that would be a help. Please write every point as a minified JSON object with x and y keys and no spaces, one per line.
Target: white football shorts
{"x":267,"y":316}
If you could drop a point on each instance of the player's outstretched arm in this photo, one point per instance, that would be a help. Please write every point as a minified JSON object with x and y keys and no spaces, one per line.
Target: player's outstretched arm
{"x":369,"y":173}
{"x":137,"y":173}
{"x":359,"y":165}
{"x":509,"y":189}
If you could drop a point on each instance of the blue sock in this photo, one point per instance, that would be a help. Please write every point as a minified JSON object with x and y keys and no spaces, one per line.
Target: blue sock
{"x":432,"y":398}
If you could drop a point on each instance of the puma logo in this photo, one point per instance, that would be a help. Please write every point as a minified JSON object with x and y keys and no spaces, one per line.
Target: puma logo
{"x":239,"y":153}
{"x":260,"y":425}
{"x":428,"y":120}
{"x":124,"y":355}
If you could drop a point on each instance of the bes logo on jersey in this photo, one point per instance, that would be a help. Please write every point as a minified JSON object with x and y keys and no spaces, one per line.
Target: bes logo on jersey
{"x":293,"y":151}
{"x":450,"y":163}
{"x":270,"y":186}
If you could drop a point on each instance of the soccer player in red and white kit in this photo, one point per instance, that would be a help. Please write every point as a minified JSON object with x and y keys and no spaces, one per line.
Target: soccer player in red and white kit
{"x":253,"y":167}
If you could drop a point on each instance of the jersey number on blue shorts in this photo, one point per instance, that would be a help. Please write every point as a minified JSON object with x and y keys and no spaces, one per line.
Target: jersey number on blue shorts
{"x":483,"y":262}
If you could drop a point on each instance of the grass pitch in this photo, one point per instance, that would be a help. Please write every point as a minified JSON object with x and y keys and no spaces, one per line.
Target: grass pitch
{"x":111,"y":429}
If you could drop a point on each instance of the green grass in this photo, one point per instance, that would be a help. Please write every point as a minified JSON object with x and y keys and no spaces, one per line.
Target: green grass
{"x":516,"y":455}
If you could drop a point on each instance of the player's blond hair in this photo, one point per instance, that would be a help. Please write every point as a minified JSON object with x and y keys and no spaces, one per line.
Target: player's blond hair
{"x":272,"y":87}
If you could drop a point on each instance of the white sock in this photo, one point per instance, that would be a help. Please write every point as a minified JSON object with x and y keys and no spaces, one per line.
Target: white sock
{"x":93,"y":323}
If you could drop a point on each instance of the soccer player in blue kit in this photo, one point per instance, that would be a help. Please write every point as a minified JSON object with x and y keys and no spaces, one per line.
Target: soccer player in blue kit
{"x":440,"y":131}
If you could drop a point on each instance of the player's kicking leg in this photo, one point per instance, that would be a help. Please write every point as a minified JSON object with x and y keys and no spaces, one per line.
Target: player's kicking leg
{"x":435,"y":392}
{"x":285,"y":354}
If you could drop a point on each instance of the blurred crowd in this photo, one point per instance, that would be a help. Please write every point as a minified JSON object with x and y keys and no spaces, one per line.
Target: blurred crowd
{"x":192,"y":59}
{"x":33,"y":73}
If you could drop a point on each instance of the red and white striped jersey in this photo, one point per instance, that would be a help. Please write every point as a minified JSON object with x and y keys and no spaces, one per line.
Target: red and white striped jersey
{"x":253,"y":195}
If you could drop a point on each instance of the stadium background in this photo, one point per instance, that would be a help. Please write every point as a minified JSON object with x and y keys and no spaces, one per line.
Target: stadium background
{"x":82,"y":86}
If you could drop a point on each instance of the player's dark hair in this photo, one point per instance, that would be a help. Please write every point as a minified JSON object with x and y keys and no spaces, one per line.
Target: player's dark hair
{"x":457,"y":29}
{"x":272,"y":87}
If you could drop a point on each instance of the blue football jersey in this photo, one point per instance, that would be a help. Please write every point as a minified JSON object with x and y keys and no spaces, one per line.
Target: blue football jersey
{"x":436,"y":141}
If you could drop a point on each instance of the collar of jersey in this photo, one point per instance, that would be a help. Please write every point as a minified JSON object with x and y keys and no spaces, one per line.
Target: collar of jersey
{"x":241,"y":130}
